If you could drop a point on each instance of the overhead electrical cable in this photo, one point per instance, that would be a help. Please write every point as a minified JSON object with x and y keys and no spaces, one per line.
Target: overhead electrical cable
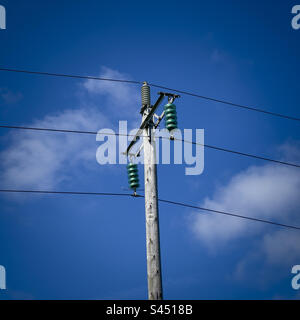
{"x":229,"y":103}
{"x":160,"y":200}
{"x":128,"y":135}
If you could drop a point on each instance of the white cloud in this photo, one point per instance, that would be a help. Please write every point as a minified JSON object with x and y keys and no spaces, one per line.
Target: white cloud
{"x":282,"y":247}
{"x":268,"y":192}
{"x":10,"y":97}
{"x":123,"y":99}
{"x":35,"y":159}
{"x":42,"y":159}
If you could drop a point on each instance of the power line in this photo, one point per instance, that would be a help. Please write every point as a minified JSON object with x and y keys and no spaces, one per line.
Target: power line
{"x":50,"y":129}
{"x":161,"y":200}
{"x":243,"y":154}
{"x":182,"y":140}
{"x":67,"y":192}
{"x":229,"y":214}
{"x":229,"y":103}
{"x":69,"y":76}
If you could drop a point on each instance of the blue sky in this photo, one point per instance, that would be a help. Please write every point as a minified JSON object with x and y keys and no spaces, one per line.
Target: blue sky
{"x":72,"y":247}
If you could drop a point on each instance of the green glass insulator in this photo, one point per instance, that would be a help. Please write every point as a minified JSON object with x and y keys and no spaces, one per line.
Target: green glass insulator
{"x":133,"y":176}
{"x":170,"y":116}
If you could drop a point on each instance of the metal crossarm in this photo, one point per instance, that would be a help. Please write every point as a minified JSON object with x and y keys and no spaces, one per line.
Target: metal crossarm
{"x":145,"y":122}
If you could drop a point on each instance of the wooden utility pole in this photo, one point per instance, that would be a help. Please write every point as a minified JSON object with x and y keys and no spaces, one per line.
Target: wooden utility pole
{"x":151,"y":202}
{"x":147,"y":129}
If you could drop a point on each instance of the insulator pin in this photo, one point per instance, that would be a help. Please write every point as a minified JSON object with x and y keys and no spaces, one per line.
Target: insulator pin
{"x":170,"y":116}
{"x":133,"y":176}
{"x":146,"y":95}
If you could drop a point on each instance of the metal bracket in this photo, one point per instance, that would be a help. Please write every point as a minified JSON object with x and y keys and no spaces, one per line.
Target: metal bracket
{"x":138,"y":153}
{"x":171,"y":96}
{"x":149,"y":117}
{"x":145,"y":122}
{"x":159,"y":118}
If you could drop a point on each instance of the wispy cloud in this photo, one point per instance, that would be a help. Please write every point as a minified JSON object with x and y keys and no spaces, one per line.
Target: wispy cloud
{"x":43,"y":159}
{"x":10,"y":97}
{"x":218,"y":57}
{"x":122,"y":98}
{"x":268,"y":192}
